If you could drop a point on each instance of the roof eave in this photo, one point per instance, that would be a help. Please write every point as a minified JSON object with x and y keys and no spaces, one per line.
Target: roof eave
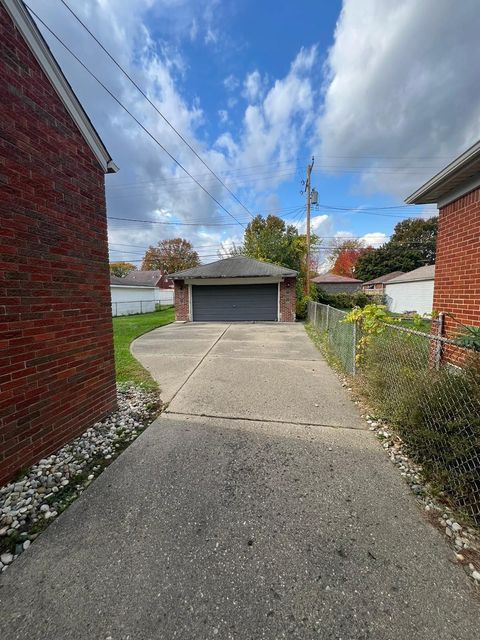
{"x":40,"y":49}
{"x":428,"y":192}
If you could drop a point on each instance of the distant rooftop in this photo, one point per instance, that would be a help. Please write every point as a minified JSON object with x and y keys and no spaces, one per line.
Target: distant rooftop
{"x":422,"y":273}
{"x":235,"y":267}
{"x":144,"y":277}
{"x":123,"y":282}
{"x":385,"y":278}
{"x":324,"y":278}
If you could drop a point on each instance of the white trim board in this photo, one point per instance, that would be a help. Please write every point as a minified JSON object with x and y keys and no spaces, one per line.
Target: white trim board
{"x":229,"y":281}
{"x":36,"y":42}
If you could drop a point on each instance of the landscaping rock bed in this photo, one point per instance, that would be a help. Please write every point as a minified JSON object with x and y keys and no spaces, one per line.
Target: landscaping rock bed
{"x":33,"y":500}
{"x":464,"y":539}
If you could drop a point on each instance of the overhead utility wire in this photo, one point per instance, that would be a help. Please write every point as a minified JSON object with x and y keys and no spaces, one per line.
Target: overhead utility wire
{"x":132,"y":116}
{"x":140,"y":90}
{"x":189,"y":224}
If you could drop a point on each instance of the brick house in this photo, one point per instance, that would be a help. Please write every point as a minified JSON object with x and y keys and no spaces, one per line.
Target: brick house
{"x":236,"y":289}
{"x":56,"y":352}
{"x":456,"y":191}
{"x":376,"y":287}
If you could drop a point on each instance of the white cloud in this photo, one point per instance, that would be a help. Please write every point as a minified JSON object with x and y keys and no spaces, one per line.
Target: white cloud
{"x":402,"y":90}
{"x":374,"y":239}
{"x":254,"y":86}
{"x":231,"y":82}
{"x":149,"y":185}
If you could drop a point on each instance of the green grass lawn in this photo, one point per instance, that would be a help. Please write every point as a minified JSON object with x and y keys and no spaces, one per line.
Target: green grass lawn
{"x":125,"y":330}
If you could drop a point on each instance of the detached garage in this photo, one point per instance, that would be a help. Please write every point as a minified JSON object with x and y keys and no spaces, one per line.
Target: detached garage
{"x":235,"y":289}
{"x":412,"y":291}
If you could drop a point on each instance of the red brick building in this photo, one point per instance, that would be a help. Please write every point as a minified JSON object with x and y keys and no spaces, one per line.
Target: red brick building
{"x":56,"y":352}
{"x":456,"y":191}
{"x":236,"y":289}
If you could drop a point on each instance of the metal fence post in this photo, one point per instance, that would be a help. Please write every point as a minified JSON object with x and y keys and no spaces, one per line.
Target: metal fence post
{"x":328,"y":316}
{"x":354,"y":362}
{"x":141,"y":306}
{"x":438,"y":341}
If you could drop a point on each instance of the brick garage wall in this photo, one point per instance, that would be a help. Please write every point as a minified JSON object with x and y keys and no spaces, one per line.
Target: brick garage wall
{"x":181,"y":300}
{"x":287,"y":300}
{"x":56,"y":352}
{"x":457,"y":268}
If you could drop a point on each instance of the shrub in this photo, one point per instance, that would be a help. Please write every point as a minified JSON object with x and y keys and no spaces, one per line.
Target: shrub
{"x":302,"y":307}
{"x":437,"y":413}
{"x":347,"y":300}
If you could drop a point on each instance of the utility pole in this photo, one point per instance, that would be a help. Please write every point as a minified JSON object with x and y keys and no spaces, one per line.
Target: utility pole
{"x":308,"y":192}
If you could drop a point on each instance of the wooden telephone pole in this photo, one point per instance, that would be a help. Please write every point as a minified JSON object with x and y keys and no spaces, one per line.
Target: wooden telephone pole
{"x":308,"y":187}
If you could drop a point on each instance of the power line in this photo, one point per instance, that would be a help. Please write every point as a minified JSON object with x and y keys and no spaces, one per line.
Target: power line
{"x":140,"y":90}
{"x":189,"y":224}
{"x":117,"y":100}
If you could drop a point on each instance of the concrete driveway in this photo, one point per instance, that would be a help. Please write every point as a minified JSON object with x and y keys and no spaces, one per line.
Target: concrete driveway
{"x":256,"y":507}
{"x":267,"y":372}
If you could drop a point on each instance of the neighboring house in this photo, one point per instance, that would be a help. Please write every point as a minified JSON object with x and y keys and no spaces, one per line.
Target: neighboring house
{"x":377,"y":285}
{"x":234,"y":290}
{"x":332,"y":283}
{"x":456,"y":191}
{"x":128,"y":298}
{"x":158,"y":279}
{"x":412,"y":291}
{"x":57,"y":372}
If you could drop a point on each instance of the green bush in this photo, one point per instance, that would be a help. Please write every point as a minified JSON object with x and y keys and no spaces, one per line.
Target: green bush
{"x":347,"y":300}
{"x":302,"y":307}
{"x":437,"y":413}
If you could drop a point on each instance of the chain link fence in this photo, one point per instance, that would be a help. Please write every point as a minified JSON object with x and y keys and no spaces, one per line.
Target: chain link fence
{"x":341,"y":337}
{"x":134,"y":307}
{"x":428,"y":388}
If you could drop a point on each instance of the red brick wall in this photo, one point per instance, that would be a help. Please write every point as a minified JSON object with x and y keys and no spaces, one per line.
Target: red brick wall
{"x":457,"y":268}
{"x":56,"y":354}
{"x":287,"y":300}
{"x":181,"y":300}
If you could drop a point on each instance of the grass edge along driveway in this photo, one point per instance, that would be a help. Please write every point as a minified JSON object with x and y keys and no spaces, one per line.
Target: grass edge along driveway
{"x":125,"y":330}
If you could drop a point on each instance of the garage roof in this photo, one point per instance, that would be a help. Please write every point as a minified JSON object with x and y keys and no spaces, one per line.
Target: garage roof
{"x":333,"y":278}
{"x":422,"y":273}
{"x":235,"y":267}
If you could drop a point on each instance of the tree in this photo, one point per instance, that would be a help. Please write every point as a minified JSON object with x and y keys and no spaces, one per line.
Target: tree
{"x":121,"y":269}
{"x":344,"y":256}
{"x":412,"y":245}
{"x":270,"y":239}
{"x":170,"y":256}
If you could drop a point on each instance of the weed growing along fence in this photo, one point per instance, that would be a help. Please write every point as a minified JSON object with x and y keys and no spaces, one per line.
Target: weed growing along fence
{"x":434,"y":405}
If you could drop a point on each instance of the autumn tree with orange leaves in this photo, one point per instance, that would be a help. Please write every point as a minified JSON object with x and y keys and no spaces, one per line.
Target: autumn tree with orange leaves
{"x":170,"y":256}
{"x":345,"y":255}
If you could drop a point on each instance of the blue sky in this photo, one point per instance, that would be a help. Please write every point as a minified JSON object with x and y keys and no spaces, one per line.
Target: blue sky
{"x":382,"y":92}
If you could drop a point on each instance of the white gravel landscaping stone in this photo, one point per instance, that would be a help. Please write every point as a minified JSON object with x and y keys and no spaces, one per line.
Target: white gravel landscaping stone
{"x":55,"y":481}
{"x":6,"y":558}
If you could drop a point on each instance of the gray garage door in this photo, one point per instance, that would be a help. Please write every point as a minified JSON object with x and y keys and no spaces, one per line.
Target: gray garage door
{"x":235,"y":303}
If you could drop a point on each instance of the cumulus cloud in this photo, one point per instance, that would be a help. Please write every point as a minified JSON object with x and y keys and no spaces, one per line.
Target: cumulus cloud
{"x":402,"y":92}
{"x":149,"y":186}
{"x":253,"y":86}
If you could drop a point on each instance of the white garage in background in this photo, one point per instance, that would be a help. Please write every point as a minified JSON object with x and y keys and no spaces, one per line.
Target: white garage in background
{"x":128,"y":298}
{"x":412,"y":291}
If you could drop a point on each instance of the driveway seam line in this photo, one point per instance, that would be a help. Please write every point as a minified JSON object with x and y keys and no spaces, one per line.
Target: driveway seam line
{"x":197,"y":365}
{"x":268,"y":420}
